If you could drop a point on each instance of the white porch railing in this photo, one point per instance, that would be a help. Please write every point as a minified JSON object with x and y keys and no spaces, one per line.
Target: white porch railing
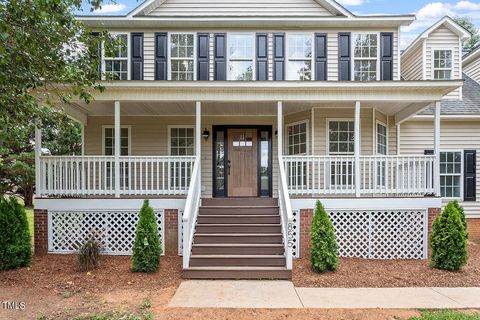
{"x":379,"y":175}
{"x":190,"y":212}
{"x":286,"y":215}
{"x":95,"y":175}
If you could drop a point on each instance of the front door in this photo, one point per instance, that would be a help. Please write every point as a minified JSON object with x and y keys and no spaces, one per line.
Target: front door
{"x":242,"y":162}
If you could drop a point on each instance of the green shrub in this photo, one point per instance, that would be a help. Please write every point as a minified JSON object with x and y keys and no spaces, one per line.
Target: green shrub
{"x":15,"y":245}
{"x":461,"y":212}
{"x":147,"y":247}
{"x":324,"y":250}
{"x":448,"y":241}
{"x":89,"y":255}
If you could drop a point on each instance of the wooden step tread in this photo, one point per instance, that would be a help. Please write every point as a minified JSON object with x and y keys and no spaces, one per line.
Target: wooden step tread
{"x":233,"y":256}
{"x":238,"y":245}
{"x":239,"y":207}
{"x":237,"y":215}
{"x":235,"y":268}
{"x":238,"y":224}
{"x":238,"y":234}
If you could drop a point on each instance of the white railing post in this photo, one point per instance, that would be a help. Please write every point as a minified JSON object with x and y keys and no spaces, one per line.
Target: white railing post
{"x":357,"y":149}
{"x":117,"y":149}
{"x":437,"y":148}
{"x":38,"y":153}
{"x":280,"y":128}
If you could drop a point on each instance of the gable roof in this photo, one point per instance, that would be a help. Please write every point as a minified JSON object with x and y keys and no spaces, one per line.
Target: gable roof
{"x":471,"y":56}
{"x":445,"y":21}
{"x":470,"y":105}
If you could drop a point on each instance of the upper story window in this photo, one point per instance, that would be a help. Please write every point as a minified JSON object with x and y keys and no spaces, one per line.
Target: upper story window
{"x":341,"y":137}
{"x":442,"y":64}
{"x":182,"y":56}
{"x":115,"y":58}
{"x":365,"y":55}
{"x":299,"y":57}
{"x":241,"y":54}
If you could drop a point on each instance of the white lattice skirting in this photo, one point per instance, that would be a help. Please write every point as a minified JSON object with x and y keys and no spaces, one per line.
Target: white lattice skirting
{"x":392,"y":234}
{"x":114,"y":229}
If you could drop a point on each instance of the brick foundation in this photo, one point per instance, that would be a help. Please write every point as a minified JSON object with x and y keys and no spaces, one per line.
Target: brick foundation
{"x":473,"y":228}
{"x":171,"y":232}
{"x":306,"y":216}
{"x":40,"y":233}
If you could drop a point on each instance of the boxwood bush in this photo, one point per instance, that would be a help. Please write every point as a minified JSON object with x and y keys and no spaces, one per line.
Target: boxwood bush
{"x":461,"y":212}
{"x":15,"y":245}
{"x":147,"y":247}
{"x":448,"y":240}
{"x":324,"y":248}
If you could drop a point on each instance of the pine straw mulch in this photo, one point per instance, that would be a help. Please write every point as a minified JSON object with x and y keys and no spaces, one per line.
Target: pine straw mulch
{"x":389,"y":273}
{"x":60,"y":274}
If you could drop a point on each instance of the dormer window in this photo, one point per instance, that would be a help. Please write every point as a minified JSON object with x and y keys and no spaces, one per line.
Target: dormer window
{"x":365,"y":55}
{"x":442,"y":64}
{"x":182,"y":56}
{"x":300,"y":55}
{"x":115,"y":58}
{"x":241,"y":56}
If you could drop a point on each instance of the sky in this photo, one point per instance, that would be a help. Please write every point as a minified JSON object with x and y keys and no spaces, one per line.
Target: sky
{"x":427,"y":12}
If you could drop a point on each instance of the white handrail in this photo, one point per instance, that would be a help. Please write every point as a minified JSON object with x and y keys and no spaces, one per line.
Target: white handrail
{"x":190,"y":212}
{"x":286,"y":214}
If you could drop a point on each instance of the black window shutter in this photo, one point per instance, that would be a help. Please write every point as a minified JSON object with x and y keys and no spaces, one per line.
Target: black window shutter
{"x":96,"y":54}
{"x":262,"y":56}
{"x":344,"y":57}
{"x":321,"y":56}
{"x":386,"y":56}
{"x":429,"y":152}
{"x":203,"y":56}
{"x":220,"y":56}
{"x":469,"y":175}
{"x":161,"y":55}
{"x":137,"y":57}
{"x":279,"y":56}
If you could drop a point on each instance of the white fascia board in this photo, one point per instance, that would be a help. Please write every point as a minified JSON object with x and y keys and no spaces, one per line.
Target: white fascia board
{"x":465,"y":117}
{"x":471,"y":57}
{"x":369,"y":203}
{"x":106,"y":204}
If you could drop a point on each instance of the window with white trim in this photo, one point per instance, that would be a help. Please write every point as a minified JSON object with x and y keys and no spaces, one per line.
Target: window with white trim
{"x":115,"y":57}
{"x":241,"y":54}
{"x":182,"y":143}
{"x":109,"y":150}
{"x":182,"y":56}
{"x":341,"y":137}
{"x":451,"y":174}
{"x":442,"y":64}
{"x":381,"y":139}
{"x":365,"y":57}
{"x":297,"y":138}
{"x":299,"y":57}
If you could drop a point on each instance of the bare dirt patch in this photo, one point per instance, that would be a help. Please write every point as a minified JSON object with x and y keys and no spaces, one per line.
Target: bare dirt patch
{"x":389,"y":273}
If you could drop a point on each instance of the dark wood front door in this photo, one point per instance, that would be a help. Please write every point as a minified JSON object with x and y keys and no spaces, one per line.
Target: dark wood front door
{"x":242,"y":168}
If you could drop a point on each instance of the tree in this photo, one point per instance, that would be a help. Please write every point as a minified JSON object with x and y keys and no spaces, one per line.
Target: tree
{"x":448,"y":240}
{"x":147,"y":247}
{"x":474,"y":41}
{"x":324,"y":250}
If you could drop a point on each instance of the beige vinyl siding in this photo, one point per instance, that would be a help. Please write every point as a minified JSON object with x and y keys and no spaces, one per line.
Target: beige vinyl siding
{"x":332,"y":57}
{"x":149,"y":56}
{"x":417,"y":136}
{"x":270,"y":56}
{"x":444,"y":39}
{"x":240,"y":7}
{"x":412,"y":64}
{"x":211,"y":64}
{"x":473,"y":70}
{"x":392,"y":136}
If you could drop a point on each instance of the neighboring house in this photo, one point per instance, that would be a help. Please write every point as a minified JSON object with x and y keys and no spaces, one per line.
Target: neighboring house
{"x":234,"y":119}
{"x":460,"y":115}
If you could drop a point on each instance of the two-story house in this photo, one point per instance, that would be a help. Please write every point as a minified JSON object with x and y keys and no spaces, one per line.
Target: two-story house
{"x":233,"y":118}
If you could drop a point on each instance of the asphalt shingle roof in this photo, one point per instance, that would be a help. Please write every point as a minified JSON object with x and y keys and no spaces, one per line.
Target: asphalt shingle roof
{"x":470,"y":105}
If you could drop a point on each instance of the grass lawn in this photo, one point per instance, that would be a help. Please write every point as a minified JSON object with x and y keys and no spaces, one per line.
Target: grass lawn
{"x":30,"y":220}
{"x":447,"y":315}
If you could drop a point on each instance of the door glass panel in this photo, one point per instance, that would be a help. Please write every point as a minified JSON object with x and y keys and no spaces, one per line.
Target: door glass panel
{"x":220,"y":163}
{"x":264,"y":163}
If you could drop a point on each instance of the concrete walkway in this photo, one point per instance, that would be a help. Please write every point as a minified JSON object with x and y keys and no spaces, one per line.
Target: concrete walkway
{"x":282,"y":294}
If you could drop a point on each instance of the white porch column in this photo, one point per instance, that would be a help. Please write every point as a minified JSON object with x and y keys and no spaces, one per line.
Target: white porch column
{"x":357,"y":149}
{"x":198,"y":127}
{"x":280,"y":128}
{"x":436,"y":147}
{"x":117,"y":149}
{"x":38,"y":153}
{"x":399,"y":141}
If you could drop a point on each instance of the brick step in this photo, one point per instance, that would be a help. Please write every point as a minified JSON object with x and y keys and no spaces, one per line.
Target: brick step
{"x":206,"y":238}
{"x":239,"y":202}
{"x":238,"y":249}
{"x":238,"y":228}
{"x":239,"y":219}
{"x":237,"y":260}
{"x":269,"y":273}
{"x":223,"y":210}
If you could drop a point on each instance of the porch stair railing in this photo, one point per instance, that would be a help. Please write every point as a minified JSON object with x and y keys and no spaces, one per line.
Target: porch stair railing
{"x":190,"y":212}
{"x":286,"y":215}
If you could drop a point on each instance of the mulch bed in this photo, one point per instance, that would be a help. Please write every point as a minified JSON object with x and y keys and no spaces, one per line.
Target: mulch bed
{"x":60,"y":274}
{"x":389,"y":273}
